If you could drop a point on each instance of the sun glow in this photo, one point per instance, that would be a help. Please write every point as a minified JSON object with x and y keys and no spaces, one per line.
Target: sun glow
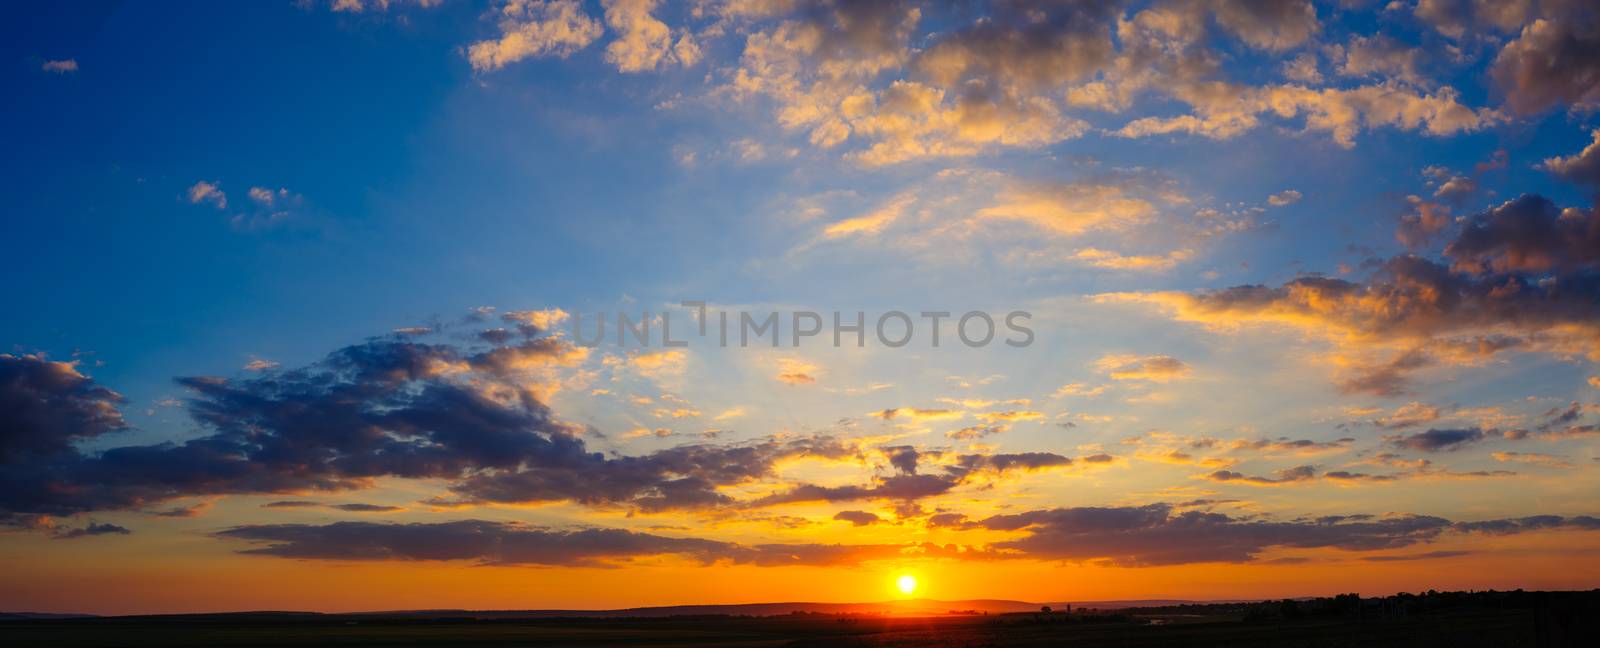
{"x":907,"y":584}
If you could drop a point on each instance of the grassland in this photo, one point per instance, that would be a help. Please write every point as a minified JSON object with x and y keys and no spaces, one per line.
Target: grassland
{"x":1504,"y":619}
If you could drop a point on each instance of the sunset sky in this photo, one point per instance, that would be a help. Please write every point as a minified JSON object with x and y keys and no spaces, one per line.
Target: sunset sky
{"x":290,"y":295}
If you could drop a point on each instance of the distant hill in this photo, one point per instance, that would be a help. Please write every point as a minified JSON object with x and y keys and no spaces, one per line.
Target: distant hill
{"x":908,"y":607}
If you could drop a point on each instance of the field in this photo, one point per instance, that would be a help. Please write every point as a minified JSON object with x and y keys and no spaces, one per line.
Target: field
{"x":1462,"y":627}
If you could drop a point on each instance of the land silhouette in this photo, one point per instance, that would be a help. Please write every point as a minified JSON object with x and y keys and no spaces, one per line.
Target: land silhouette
{"x":1488,"y":618}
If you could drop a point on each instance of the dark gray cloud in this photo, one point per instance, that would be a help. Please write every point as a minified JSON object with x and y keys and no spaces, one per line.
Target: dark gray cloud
{"x":385,"y":407}
{"x":857,"y":518}
{"x":1436,"y":440}
{"x":1157,"y":534}
{"x":1522,"y":276}
{"x":1388,"y":379}
{"x":1025,"y":48}
{"x":1529,"y":234}
{"x":1284,"y":476}
{"x":900,"y":487}
{"x":1555,"y":61}
{"x":1348,"y":476}
{"x":1413,"y":297}
{"x":394,"y":407}
{"x":909,"y":484}
{"x":388,"y":407}
{"x":1530,"y":523}
{"x":367,"y":508}
{"x":513,"y":544}
{"x":681,"y":477}
{"x":94,"y":529}
{"x":1288,"y":445}
{"x":49,"y":406}
{"x":354,"y":507}
{"x":944,"y":520}
{"x":1431,"y":555}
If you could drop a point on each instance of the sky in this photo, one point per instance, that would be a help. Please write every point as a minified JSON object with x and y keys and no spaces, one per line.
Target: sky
{"x":1198,"y":299}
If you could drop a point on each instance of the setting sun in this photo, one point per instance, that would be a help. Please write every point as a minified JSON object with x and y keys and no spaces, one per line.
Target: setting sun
{"x":907,"y":584}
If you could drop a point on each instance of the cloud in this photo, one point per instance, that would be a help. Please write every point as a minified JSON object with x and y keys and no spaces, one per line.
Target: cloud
{"x":975,"y":432}
{"x":266,"y":197}
{"x":65,"y":66}
{"x":1271,"y":24}
{"x":871,"y":222}
{"x":1390,"y":378}
{"x":50,"y":406}
{"x":1454,"y":17}
{"x":1284,"y":476}
{"x":857,"y":518}
{"x":388,"y":407}
{"x":291,"y":504}
{"x":1157,"y":534}
{"x":210,"y":192}
{"x":258,"y":364}
{"x":1521,"y":276}
{"x":1303,"y":68}
{"x":1383,"y":56}
{"x":642,"y":432}
{"x":1024,"y":49}
{"x":1423,"y":220}
{"x":1552,"y":461}
{"x":191,"y":511}
{"x":1341,"y":112}
{"x":644,"y":42}
{"x":1012,"y":416}
{"x":1430,"y":555}
{"x":1073,"y":208}
{"x":358,"y":6}
{"x":1079,"y":389}
{"x":896,"y":487}
{"x":815,"y":66}
{"x":1112,"y":260}
{"x":1285,"y":445}
{"x":502,"y":543}
{"x":535,"y":29}
{"x":1284,"y":198}
{"x":1553,"y":62}
{"x":683,"y":477}
{"x":1409,"y":415}
{"x":366,"y":508}
{"x":1158,"y":368}
{"x":94,"y":529}
{"x":918,"y":415}
{"x":661,"y":364}
{"x":1437,"y":440}
{"x":1582,"y":168}
{"x":1530,"y":523}
{"x":348,"y":508}
{"x":794,"y":371}
{"x":1529,"y":235}
{"x":909,"y":483}
{"x":536,"y":322}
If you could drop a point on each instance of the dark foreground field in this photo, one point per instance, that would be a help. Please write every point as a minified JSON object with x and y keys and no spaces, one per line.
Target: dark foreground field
{"x":1538,"y":619}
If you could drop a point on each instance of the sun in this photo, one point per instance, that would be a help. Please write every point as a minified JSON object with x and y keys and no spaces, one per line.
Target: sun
{"x":907,"y":584}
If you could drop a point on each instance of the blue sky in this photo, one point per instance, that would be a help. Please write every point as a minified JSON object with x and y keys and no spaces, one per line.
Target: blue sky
{"x":211,"y":185}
